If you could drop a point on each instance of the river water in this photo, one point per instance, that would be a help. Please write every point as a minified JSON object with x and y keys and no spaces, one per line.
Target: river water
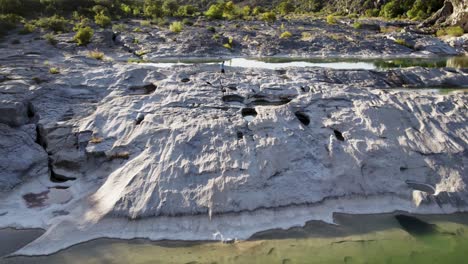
{"x":383,"y":238}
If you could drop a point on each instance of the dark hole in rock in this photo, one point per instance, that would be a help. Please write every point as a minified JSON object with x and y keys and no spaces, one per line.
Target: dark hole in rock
{"x":145,"y":89}
{"x":60,"y":213}
{"x":140,"y":117}
{"x":233,"y":98}
{"x":338,"y":135}
{"x":305,"y":120}
{"x":414,"y":226}
{"x":58,"y":178}
{"x":240,"y":135}
{"x":281,"y":72}
{"x":249,"y":113}
{"x":403,"y":168}
{"x":184,"y":80}
{"x":232,"y":87}
{"x":61,"y":187}
{"x":31,"y":111}
{"x":266,"y":102}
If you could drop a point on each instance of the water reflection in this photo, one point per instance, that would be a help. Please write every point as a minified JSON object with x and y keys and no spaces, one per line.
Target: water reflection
{"x":338,"y":64}
{"x":356,"y":239}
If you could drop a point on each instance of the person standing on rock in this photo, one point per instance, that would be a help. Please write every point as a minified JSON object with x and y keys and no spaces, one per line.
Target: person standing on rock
{"x":222,"y":67}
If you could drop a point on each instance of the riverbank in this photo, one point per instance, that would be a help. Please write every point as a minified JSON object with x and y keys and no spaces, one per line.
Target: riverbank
{"x":355,"y":238}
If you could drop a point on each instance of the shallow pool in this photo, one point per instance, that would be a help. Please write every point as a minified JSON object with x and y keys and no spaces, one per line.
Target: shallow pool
{"x":338,"y":64}
{"x":381,"y":238}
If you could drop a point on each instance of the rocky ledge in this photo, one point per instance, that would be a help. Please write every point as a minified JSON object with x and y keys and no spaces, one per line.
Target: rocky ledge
{"x":112,"y":149}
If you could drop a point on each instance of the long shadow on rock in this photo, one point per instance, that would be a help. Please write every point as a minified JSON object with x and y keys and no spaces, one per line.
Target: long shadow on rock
{"x":414,"y":226}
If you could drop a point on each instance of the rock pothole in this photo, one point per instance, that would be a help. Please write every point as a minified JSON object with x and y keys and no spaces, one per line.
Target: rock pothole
{"x":143,"y":90}
{"x":249,"y":114}
{"x":338,"y":135}
{"x":303,"y":118}
{"x":233,"y":98}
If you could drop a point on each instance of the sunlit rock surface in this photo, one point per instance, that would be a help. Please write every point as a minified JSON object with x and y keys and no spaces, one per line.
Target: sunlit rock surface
{"x":132,"y":150}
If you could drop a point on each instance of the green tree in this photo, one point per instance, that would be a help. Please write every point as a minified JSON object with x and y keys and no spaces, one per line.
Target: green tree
{"x":286,"y":7}
{"x":170,"y":7}
{"x":215,"y":11}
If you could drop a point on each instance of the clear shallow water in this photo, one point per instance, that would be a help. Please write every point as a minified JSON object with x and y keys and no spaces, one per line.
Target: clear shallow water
{"x":357,"y":239}
{"x":338,"y":64}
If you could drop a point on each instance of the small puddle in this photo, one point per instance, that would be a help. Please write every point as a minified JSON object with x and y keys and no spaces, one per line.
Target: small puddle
{"x":275,"y":63}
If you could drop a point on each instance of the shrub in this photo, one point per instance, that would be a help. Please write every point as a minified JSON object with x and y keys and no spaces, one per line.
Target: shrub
{"x":372,"y":12}
{"x":286,"y":34}
{"x":55,"y":23}
{"x":246,"y":11}
{"x":285,"y":7}
{"x":455,"y":31}
{"x":331,"y":20}
{"x":84,"y":36}
{"x":402,"y":42}
{"x":257,"y":11}
{"x":95,"y":54}
{"x":357,"y":25}
{"x":102,"y":20}
{"x":187,"y":22}
{"x":169,"y":7}
{"x":119,"y":27}
{"x":85,"y":22}
{"x":50,"y":38}
{"x":215,"y":11}
{"x":28,"y":28}
{"x":152,"y":9}
{"x":269,"y":17}
{"x":176,"y":27}
{"x":145,"y":23}
{"x":186,"y":11}
{"x":306,"y":36}
{"x":391,"y":9}
{"x":229,"y":44}
{"x":54,"y":70}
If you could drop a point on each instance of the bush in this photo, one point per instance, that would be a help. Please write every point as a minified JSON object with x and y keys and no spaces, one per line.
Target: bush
{"x":176,"y":27}
{"x":268,"y":17}
{"x":95,"y":54}
{"x":102,"y":20}
{"x":50,"y":38}
{"x":229,"y":44}
{"x":402,"y":42}
{"x":186,"y":11}
{"x":152,"y":9}
{"x":215,"y":11}
{"x":357,"y":25}
{"x":286,"y":34}
{"x":54,"y":70}
{"x":28,"y":28}
{"x":331,"y":20}
{"x":286,"y":7}
{"x":169,"y":7}
{"x":456,"y":31}
{"x":84,"y":36}
{"x":55,"y":23}
{"x":391,"y":9}
{"x":372,"y":12}
{"x":145,"y":23}
{"x":8,"y":22}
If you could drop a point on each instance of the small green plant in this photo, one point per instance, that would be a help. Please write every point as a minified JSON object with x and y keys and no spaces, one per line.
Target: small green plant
{"x":145,"y":23}
{"x":306,"y":36}
{"x":229,"y":44}
{"x":84,"y":36}
{"x":119,"y":28}
{"x":54,"y":70}
{"x":269,"y":16}
{"x":102,"y":20}
{"x":95,"y":54}
{"x":285,"y":35}
{"x":402,"y":42}
{"x":455,"y":31}
{"x":187,"y":22}
{"x":55,"y":23}
{"x":137,"y":29}
{"x":50,"y":38}
{"x":357,"y":25}
{"x":331,"y":20}
{"x":27,"y":28}
{"x":176,"y":27}
{"x":215,"y":11}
